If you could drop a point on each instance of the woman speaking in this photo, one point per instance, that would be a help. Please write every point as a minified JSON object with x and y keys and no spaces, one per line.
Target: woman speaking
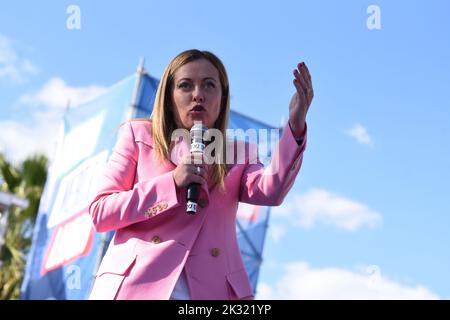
{"x":158,"y":250}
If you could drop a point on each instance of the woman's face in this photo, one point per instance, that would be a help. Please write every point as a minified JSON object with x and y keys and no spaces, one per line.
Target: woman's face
{"x":196,"y":94}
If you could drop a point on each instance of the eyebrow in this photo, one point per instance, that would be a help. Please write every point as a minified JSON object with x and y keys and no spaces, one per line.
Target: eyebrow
{"x":207,"y":78}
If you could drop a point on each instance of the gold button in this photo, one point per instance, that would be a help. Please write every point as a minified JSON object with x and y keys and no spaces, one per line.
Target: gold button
{"x":156,"y":239}
{"x":150,"y":211}
{"x":215,"y":252}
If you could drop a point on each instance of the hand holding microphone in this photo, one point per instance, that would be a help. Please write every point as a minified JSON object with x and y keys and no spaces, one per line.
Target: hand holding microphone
{"x":186,"y":172}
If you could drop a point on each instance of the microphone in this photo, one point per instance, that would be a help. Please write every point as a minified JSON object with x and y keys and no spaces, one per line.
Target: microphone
{"x":197,"y":146}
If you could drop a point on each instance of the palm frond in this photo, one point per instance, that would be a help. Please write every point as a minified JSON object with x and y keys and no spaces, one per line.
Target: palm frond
{"x":27,"y":181}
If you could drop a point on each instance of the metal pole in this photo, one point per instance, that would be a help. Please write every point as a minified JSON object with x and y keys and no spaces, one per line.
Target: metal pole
{"x":135,"y":100}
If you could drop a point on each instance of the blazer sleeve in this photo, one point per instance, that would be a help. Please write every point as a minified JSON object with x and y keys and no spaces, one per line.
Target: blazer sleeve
{"x":120,"y":202}
{"x":269,"y":185}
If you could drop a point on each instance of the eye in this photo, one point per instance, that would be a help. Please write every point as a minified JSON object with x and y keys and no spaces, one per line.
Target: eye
{"x":184,"y":85}
{"x":210,"y":84}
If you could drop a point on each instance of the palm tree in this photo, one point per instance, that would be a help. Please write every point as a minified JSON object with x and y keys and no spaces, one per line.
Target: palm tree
{"x":26,"y":180}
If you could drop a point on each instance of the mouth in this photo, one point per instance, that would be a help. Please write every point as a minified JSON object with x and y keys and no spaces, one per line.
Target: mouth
{"x":198,"y":108}
{"x":197,"y":111}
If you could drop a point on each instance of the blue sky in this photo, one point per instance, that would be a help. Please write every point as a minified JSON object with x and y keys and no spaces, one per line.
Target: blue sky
{"x":374,"y":187}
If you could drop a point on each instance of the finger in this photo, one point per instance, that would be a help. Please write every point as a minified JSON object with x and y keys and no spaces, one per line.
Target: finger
{"x":309,"y":89}
{"x":299,"y":77}
{"x":299,"y":83}
{"x":307,"y":71}
{"x":193,"y":178}
{"x":301,"y":88}
{"x":307,"y":77}
{"x":304,"y":67}
{"x":302,"y":71}
{"x":200,"y":171}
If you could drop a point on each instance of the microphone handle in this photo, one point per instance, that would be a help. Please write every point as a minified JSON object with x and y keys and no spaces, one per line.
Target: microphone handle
{"x":192,"y":195}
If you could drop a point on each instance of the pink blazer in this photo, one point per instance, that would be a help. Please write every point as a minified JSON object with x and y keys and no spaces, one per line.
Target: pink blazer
{"x":155,"y":238}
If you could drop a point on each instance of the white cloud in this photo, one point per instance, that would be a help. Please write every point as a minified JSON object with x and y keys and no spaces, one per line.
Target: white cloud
{"x":360,"y":134}
{"x":56,"y":93}
{"x":301,"y":282}
{"x":40,"y":134}
{"x":276,"y":232}
{"x":321,"y":206}
{"x":28,"y":67}
{"x":12,"y":66}
{"x":17,"y":141}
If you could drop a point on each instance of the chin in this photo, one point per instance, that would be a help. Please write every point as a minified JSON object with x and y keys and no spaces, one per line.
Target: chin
{"x":191,"y":120}
{"x":204,"y":122}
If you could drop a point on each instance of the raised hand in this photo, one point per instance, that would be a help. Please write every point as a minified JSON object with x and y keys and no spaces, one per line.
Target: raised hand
{"x":301,"y":100}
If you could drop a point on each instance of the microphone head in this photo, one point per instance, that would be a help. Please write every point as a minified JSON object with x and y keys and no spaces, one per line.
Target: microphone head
{"x":197,"y":132}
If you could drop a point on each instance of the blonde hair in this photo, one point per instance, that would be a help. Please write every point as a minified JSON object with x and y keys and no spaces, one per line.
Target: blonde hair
{"x":163,"y":121}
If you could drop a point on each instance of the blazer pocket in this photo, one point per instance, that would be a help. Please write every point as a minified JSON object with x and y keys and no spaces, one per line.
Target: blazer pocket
{"x":240,"y":285}
{"x":110,"y":277}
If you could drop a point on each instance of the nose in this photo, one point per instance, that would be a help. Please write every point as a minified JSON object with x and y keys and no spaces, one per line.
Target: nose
{"x":197,"y":95}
